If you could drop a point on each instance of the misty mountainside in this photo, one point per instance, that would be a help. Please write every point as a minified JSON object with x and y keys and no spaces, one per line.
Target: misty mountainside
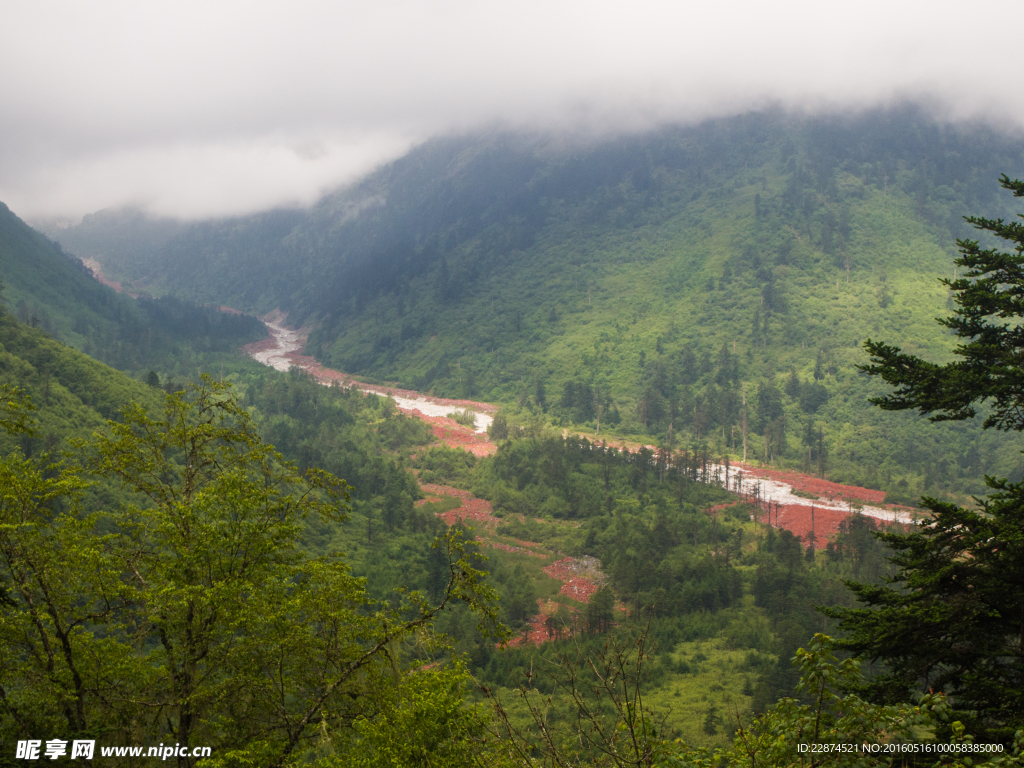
{"x":47,"y":288}
{"x":657,"y":285}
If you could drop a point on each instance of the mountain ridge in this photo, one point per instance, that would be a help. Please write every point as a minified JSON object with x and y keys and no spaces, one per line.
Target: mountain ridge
{"x":648,"y":284}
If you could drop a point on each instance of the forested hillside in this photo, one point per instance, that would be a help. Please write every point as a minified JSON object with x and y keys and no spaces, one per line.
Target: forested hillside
{"x":73,"y":393}
{"x":363,"y":439}
{"x":729,"y":602}
{"x":658,"y":286}
{"x":74,"y":488}
{"x":704,"y":288}
{"x":48,"y":289}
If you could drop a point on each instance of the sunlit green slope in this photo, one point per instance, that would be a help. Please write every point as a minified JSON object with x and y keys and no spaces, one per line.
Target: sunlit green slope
{"x":650,"y":282}
{"x":663,"y":303}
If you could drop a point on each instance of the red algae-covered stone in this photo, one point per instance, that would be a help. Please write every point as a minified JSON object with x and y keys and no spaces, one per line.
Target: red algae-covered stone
{"x":579,"y":589}
{"x":823,"y":489}
{"x":798,"y":519}
{"x":576,"y":586}
{"x":539,"y":630}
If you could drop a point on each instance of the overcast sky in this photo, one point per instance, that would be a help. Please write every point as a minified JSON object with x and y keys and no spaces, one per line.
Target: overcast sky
{"x":202,"y":109}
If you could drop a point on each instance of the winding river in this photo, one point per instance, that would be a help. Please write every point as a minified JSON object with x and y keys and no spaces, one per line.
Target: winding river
{"x":286,"y":349}
{"x":283,"y":349}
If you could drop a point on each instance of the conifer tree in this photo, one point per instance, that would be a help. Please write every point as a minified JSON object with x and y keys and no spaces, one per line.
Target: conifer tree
{"x":952,"y":617}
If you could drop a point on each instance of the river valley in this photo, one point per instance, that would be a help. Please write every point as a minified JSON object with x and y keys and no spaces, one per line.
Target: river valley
{"x":804,"y":504}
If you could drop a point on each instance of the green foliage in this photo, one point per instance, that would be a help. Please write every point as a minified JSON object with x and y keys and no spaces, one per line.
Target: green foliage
{"x":987,"y":320}
{"x":425,"y":722}
{"x":901,"y":732}
{"x":600,"y":610}
{"x":466,"y":417}
{"x":57,"y":579}
{"x":640,"y":516}
{"x":71,"y":393}
{"x":565,"y":726}
{"x":949,"y":618}
{"x":48,"y":289}
{"x":341,"y":430}
{"x":647,"y":524}
{"x":15,"y":410}
{"x":440,"y":464}
{"x":588,"y":709}
{"x":498,"y":430}
{"x":195,"y":600}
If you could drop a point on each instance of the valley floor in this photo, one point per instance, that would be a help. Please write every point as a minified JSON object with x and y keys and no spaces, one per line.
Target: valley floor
{"x":808,"y":506}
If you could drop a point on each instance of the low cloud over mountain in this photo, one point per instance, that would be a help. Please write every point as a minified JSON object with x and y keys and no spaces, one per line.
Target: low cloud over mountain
{"x":198,"y":110}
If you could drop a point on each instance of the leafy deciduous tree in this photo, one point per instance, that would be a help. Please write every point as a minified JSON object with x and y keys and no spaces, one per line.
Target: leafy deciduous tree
{"x":197,"y":617}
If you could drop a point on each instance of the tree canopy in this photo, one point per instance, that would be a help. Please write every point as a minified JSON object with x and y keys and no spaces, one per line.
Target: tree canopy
{"x":952,"y":616}
{"x":989,"y":297}
{"x":192,"y":614}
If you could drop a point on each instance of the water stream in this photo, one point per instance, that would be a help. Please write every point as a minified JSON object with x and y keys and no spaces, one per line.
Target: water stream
{"x":288,"y":342}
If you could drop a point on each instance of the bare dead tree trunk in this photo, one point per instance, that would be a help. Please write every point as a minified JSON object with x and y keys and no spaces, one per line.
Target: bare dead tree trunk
{"x":744,"y":425}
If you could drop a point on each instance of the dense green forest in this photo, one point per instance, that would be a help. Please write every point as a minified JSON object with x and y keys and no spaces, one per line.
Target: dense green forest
{"x":728,"y":600}
{"x":361,"y":438}
{"x":721,"y":602}
{"x":215,"y":553}
{"x":79,"y":494}
{"x":48,"y":289}
{"x":646,"y":286}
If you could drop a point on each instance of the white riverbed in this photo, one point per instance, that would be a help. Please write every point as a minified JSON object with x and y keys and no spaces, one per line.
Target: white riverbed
{"x":777,"y":491}
{"x":430,"y":408}
{"x":287,"y":341}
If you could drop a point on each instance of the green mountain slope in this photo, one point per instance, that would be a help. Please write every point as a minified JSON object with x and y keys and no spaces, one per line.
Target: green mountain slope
{"x":363,"y":438}
{"x":45,"y":287}
{"x":73,"y":394}
{"x":651,"y":284}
